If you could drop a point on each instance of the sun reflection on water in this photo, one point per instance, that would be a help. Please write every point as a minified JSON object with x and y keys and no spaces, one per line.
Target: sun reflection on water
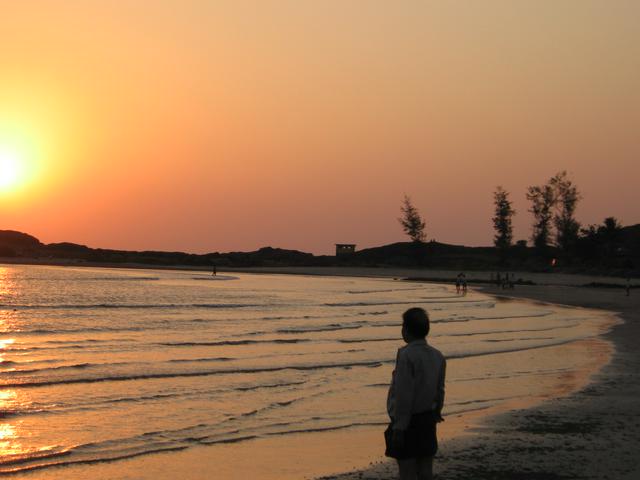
{"x":13,"y":449}
{"x":7,"y":435}
{"x":7,"y":283}
{"x":9,"y":291}
{"x":9,"y":444}
{"x":3,"y":344}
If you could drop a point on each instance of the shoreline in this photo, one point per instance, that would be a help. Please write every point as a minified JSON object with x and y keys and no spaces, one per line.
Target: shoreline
{"x":432,"y":275}
{"x":592,"y":433}
{"x":574,"y":436}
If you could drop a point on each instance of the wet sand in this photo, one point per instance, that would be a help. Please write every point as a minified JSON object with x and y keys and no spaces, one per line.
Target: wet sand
{"x":593,"y":433}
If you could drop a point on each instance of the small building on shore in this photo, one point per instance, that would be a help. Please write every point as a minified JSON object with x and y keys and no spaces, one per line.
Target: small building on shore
{"x":344,"y":249}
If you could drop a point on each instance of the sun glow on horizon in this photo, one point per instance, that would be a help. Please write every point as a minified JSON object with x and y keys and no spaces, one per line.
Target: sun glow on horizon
{"x":214,"y":126}
{"x":19,"y":159}
{"x":11,"y":168}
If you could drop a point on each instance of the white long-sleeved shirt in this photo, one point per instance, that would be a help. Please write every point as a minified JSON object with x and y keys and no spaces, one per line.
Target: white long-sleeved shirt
{"x":417,"y":383}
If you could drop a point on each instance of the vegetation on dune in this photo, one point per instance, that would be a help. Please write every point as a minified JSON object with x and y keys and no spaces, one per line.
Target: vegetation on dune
{"x":542,"y":199}
{"x":502,"y":220}
{"x":558,"y":244}
{"x":411,"y":221}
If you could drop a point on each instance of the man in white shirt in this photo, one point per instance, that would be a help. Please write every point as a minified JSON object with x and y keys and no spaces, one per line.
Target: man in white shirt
{"x":415,"y":399}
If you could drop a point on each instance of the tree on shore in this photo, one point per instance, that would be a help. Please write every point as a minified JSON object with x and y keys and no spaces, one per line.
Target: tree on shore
{"x":610,"y":233}
{"x":600,"y":242}
{"x":502,"y":220}
{"x":542,"y":200}
{"x":566,"y":199}
{"x":411,"y":221}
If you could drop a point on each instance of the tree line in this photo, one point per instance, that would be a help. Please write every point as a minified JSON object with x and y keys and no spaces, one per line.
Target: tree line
{"x":553,"y":207}
{"x":554,"y":229}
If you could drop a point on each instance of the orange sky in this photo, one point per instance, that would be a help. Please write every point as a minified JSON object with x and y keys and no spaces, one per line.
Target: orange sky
{"x":215,"y":126}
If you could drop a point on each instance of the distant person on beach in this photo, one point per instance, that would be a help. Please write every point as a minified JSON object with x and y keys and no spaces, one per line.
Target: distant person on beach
{"x":509,"y":281}
{"x":215,"y":271}
{"x":415,"y":400}
{"x":458,"y":284}
{"x":463,"y":280}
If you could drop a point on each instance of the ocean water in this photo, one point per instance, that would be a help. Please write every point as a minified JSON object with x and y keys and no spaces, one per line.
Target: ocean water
{"x":111,"y":364}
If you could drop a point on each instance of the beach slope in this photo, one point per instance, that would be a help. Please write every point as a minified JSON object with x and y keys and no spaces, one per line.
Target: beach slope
{"x":591,"y":434}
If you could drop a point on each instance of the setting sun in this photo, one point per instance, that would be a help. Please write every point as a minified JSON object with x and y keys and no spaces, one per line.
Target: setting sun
{"x":20,"y":154}
{"x":11,"y":168}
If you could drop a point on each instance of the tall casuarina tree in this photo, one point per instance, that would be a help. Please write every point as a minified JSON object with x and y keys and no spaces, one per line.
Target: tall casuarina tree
{"x":567,"y":197}
{"x":542,"y":200}
{"x":502,"y":219}
{"x":411,"y":221}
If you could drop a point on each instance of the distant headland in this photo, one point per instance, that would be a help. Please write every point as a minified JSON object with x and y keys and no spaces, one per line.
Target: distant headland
{"x":620,"y":257}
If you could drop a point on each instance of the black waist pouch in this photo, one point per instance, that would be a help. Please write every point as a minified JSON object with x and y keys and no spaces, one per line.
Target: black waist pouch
{"x":420,"y":439}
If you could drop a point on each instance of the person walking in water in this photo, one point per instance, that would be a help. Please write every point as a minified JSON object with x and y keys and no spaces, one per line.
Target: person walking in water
{"x":415,"y":400}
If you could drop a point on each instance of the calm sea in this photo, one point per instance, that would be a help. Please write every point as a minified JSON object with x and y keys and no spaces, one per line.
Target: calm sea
{"x":104,"y":364}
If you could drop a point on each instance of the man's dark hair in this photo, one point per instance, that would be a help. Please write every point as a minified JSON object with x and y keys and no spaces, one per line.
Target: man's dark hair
{"x":416,"y":321}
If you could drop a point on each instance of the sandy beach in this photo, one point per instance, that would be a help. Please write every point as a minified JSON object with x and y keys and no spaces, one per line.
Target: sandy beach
{"x":588,"y":428}
{"x":592,"y":433}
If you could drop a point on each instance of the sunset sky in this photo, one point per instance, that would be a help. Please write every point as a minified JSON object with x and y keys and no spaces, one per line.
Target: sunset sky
{"x":229,"y":125}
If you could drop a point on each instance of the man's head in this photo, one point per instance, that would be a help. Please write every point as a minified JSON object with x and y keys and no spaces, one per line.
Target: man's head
{"x":415,"y":324}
